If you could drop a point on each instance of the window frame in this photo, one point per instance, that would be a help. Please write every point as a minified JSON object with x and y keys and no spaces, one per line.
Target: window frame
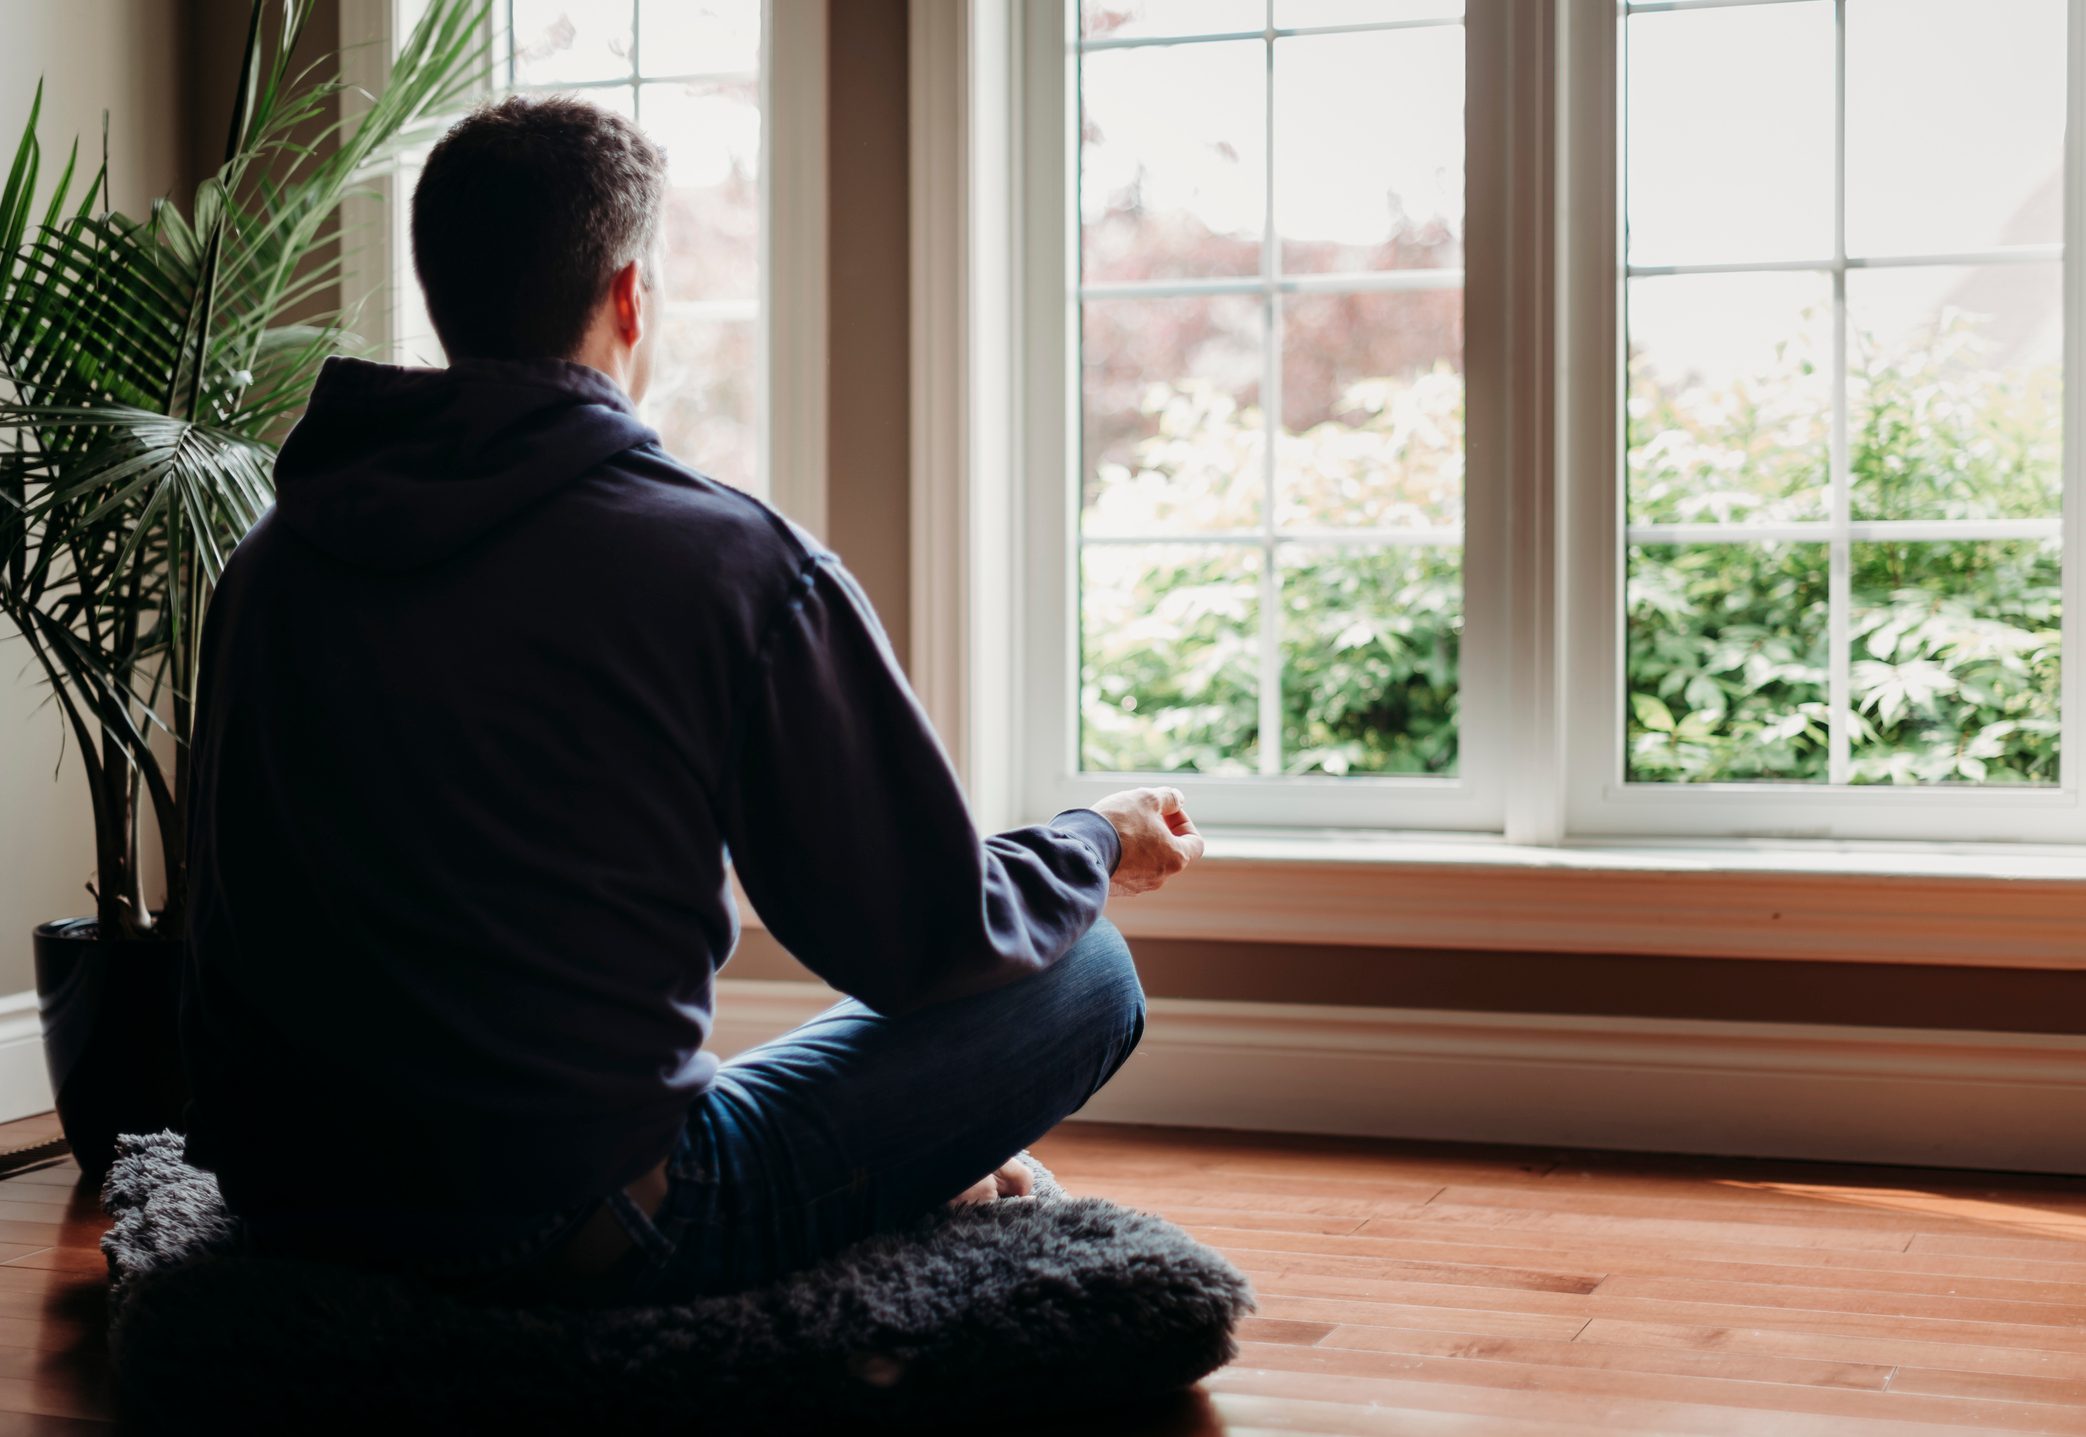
{"x":1599,"y":802}
{"x":1050,"y":778}
{"x":789,"y":313}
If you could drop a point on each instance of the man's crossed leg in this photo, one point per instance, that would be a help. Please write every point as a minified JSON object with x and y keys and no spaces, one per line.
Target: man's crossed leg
{"x":856,"y":1123}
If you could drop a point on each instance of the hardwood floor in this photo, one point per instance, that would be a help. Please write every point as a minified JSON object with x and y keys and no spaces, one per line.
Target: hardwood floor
{"x":1426,"y":1288}
{"x":1423,"y":1289}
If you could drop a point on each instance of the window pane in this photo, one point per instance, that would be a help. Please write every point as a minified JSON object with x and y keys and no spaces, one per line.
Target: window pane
{"x":1730,"y":398}
{"x":712,"y":135}
{"x":1956,"y":662}
{"x":1173,"y":161}
{"x":559,"y":41}
{"x":1173,"y":431}
{"x":1127,"y":19}
{"x":1730,"y":134}
{"x":1302,"y":14}
{"x":1370,"y":641}
{"x":618,"y":99}
{"x":704,"y":397}
{"x":1169,"y":658}
{"x":1727,"y":663}
{"x":1956,"y":391}
{"x":1372,"y":410}
{"x":1955,"y":125}
{"x":1369,"y":149}
{"x":700,"y":37}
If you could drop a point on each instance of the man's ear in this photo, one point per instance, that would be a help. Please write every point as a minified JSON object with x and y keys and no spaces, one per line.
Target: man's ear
{"x":626,"y":296}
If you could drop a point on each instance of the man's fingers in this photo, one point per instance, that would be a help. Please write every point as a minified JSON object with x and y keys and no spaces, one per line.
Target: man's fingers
{"x":1151,"y":854}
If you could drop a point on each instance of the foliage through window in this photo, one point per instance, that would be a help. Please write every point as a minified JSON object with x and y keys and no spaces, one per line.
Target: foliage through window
{"x":1845,"y":398}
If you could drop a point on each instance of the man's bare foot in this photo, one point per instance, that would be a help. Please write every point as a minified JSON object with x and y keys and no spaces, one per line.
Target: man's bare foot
{"x":1011,"y":1179}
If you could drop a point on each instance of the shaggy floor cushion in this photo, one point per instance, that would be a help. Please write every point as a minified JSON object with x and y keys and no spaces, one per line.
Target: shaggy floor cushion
{"x":1043,"y":1305}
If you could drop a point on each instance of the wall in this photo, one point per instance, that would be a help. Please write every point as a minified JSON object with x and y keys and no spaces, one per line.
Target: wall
{"x":869,"y":447}
{"x":1614,"y":985}
{"x":119,"y":55}
{"x":868,"y":435}
{"x":214,"y":44}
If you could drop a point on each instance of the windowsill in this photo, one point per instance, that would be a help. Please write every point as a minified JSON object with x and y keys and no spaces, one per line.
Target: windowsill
{"x":1984,"y":905}
{"x":1808,"y":857}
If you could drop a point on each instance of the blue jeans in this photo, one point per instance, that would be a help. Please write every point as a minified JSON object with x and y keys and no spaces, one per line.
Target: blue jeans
{"x":855,"y":1123}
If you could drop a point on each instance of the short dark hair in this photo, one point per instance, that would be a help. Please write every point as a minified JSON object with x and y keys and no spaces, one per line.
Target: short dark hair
{"x":524,"y":212}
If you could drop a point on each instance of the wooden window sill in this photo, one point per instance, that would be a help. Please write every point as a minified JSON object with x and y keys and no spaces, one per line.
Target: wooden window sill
{"x":1983,"y":905}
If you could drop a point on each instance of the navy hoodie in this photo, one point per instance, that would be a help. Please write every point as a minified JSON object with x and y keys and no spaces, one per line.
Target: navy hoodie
{"x":485,"y":701}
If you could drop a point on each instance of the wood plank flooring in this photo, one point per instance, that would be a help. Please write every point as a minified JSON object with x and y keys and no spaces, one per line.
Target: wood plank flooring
{"x":1418,"y":1288}
{"x":1423,"y":1289}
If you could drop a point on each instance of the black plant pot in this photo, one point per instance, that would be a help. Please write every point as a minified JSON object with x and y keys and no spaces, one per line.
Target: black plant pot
{"x":110,"y":1034}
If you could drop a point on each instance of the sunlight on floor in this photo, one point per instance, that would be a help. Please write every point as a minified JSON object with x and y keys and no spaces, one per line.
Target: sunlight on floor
{"x":2013,"y":1217}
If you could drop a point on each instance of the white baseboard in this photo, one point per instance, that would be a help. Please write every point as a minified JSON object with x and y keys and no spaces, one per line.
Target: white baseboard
{"x":2005,"y":1101}
{"x":25,"y":1084}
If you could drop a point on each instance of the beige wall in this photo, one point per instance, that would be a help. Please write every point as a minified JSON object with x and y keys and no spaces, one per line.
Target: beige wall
{"x":118,"y":55}
{"x":122,"y":56}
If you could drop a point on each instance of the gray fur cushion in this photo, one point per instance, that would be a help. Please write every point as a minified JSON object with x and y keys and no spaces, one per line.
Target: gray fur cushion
{"x":1043,"y":1305}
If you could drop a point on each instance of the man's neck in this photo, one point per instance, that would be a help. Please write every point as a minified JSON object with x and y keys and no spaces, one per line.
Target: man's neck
{"x":599,"y":352}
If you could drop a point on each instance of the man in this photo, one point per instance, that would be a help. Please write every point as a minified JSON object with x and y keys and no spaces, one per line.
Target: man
{"x":485,"y":702}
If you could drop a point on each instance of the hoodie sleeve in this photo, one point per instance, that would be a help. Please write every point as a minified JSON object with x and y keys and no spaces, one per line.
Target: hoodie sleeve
{"x":849,"y":831}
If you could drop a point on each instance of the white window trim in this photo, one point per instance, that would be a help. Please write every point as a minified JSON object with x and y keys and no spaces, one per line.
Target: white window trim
{"x":1044,"y":632}
{"x":791,"y":406}
{"x":1537,"y":885}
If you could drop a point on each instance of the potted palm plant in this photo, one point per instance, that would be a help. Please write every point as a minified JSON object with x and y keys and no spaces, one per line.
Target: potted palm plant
{"x":148,"y":368}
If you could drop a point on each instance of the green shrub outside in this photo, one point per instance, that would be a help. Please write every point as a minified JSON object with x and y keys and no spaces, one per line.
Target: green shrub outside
{"x":1954,"y":645}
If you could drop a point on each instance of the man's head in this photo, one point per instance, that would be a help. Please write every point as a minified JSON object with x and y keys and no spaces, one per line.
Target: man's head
{"x":535,"y":236}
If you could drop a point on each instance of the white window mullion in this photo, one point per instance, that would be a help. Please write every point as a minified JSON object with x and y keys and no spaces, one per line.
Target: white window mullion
{"x":2071,"y":765}
{"x":1840,"y":587}
{"x":1859,"y":531}
{"x":637,"y":44}
{"x":2012,"y":254}
{"x":1382,"y":281}
{"x":1270,"y":695}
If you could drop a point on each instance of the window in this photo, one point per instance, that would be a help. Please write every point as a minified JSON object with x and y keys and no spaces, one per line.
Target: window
{"x":1815,"y":369}
{"x":689,"y":72}
{"x":729,"y":90}
{"x":1841,"y":454}
{"x":1265,"y":544}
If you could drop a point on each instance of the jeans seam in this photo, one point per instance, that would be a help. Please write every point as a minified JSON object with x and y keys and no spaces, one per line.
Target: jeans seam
{"x":638,"y":1226}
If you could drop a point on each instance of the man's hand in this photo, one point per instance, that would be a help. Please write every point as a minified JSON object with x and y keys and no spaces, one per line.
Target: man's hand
{"x":1159,"y":839}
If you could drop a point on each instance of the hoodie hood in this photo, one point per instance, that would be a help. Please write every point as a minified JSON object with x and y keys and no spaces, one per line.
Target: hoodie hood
{"x":396,"y":468}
